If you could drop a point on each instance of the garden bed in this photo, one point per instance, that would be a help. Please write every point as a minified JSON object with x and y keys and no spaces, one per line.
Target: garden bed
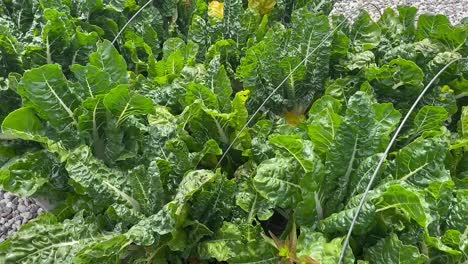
{"x":233,"y":131}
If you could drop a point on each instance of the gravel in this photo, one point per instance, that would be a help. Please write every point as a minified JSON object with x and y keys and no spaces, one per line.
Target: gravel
{"x":15,"y":211}
{"x":455,"y":10}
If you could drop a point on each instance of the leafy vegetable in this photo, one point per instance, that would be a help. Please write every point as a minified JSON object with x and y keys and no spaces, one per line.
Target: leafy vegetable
{"x":149,"y":147}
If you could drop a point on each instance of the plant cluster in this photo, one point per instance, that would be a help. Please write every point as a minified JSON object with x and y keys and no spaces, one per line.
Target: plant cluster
{"x":126,"y":136}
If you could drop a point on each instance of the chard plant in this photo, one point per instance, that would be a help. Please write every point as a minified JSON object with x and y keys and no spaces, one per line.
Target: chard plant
{"x":152,"y":135}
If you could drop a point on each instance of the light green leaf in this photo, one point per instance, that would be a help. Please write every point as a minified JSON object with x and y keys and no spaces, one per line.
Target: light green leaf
{"x":123,"y":103}
{"x":406,"y":201}
{"x":147,"y":187}
{"x":97,"y":180}
{"x":398,"y":27}
{"x":392,"y":251}
{"x":108,"y":59}
{"x":238,"y":243}
{"x":253,"y":203}
{"x":92,"y":79}
{"x":365,"y":33}
{"x":398,"y":82}
{"x":220,"y":84}
{"x":47,"y":240}
{"x":25,"y":175}
{"x":199,"y":92}
{"x":46,"y":91}
{"x":301,"y":150}
{"x":359,"y":61}
{"x":24,"y":124}
{"x":323,"y":122}
{"x":164,"y":221}
{"x":430,"y":26}
{"x":277,"y":180}
{"x":364,"y":132}
{"x":124,"y":215}
{"x":429,"y":118}
{"x":315,"y":245}
{"x":341,"y":221}
{"x":422,"y":161}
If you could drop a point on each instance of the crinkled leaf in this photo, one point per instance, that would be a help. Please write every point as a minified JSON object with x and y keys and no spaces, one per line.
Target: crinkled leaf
{"x":315,"y":245}
{"x":26,"y":174}
{"x":68,"y":242}
{"x":164,"y":221}
{"x":422,"y":161}
{"x":392,"y":250}
{"x":458,"y":214}
{"x":123,"y":102}
{"x":97,"y":180}
{"x":365,"y":33}
{"x":238,"y":243}
{"x":406,"y":201}
{"x":364,"y":132}
{"x":301,"y":150}
{"x":277,"y":180}
{"x":93,"y":80}
{"x":341,"y":221}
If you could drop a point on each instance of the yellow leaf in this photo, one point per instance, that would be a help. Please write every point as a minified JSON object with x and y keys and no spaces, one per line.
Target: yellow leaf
{"x":216,"y":9}
{"x":293,"y":118}
{"x":262,"y":6}
{"x":446,"y":89}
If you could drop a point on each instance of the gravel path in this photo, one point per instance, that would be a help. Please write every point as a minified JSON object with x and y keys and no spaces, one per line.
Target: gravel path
{"x":456,"y":10}
{"x":15,"y":211}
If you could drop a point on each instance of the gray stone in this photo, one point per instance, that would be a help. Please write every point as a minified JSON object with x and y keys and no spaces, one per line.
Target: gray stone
{"x":33,"y":209}
{"x":6,"y":212}
{"x":22,"y":208}
{"x":7,"y":196}
{"x":26,"y":215}
{"x":10,"y":221}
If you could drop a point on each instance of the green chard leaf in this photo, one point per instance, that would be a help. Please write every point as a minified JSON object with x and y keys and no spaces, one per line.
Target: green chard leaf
{"x":165,"y":220}
{"x":277,"y":180}
{"x":25,"y":175}
{"x":108,"y":59}
{"x":392,"y":250}
{"x":238,"y":243}
{"x":95,"y":179}
{"x":47,"y":92}
{"x":315,"y":245}
{"x":406,"y":201}
{"x":70,"y":241}
{"x":364,"y":132}
{"x":123,"y":103}
{"x":365,"y":33}
{"x":324,"y":120}
{"x":422,"y":161}
{"x":122,"y":124}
